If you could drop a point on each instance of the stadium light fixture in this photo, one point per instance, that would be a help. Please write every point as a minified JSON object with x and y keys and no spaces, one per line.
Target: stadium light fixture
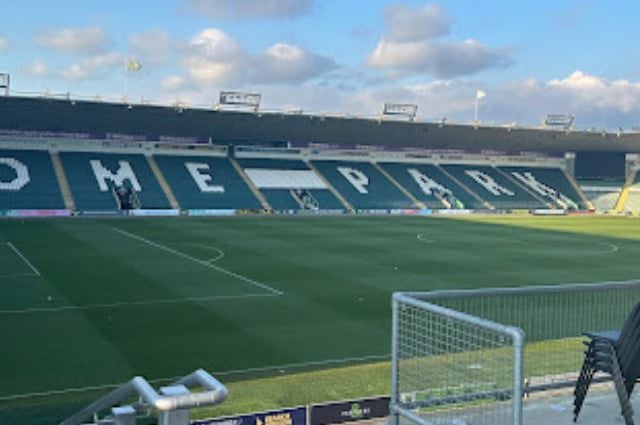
{"x":236,"y":98}
{"x":480,"y":94}
{"x":560,"y":121}
{"x":407,"y":110}
{"x":5,"y":83}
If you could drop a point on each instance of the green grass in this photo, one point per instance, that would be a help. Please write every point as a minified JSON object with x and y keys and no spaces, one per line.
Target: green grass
{"x":111,"y":305}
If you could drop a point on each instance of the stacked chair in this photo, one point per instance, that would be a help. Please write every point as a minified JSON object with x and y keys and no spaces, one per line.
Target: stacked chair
{"x":616,"y":353}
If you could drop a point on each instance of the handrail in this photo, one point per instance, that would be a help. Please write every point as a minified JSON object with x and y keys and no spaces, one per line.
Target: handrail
{"x":216,"y":393}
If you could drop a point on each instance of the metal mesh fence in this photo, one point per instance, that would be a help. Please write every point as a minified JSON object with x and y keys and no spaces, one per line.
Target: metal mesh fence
{"x":453,"y":368}
{"x":553,"y":319}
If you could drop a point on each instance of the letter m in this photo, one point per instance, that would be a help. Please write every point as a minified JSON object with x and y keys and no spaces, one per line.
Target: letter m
{"x":124,"y":173}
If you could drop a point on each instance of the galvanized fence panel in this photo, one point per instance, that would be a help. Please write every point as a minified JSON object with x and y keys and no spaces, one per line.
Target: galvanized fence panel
{"x":451,"y":367}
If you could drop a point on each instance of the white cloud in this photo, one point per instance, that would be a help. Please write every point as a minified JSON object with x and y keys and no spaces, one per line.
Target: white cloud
{"x":213,"y":57}
{"x":215,"y":44}
{"x":90,"y":41}
{"x":173,"y":83}
{"x":440,"y":59}
{"x":4,"y":43}
{"x":414,"y":45}
{"x":434,"y":99}
{"x":579,"y":80}
{"x":595,"y":101}
{"x":36,"y":69}
{"x":242,"y":9}
{"x":287,"y":63}
{"x":151,"y":47}
{"x":405,"y":23}
{"x":305,"y":96}
{"x":583,"y":90}
{"x":94,"y":67}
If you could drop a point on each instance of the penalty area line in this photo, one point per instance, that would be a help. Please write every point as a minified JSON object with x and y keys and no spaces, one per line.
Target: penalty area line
{"x":375,"y":357}
{"x":133,"y":303}
{"x":198,"y":261}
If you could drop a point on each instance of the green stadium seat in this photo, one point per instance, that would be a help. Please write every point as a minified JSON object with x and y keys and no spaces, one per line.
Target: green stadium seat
{"x":92,"y":177}
{"x":364,"y":186}
{"x":279,"y":194}
{"x":553,"y":178}
{"x":493,"y":186}
{"x":28,"y":181}
{"x":204,"y":182}
{"x":413,"y":177}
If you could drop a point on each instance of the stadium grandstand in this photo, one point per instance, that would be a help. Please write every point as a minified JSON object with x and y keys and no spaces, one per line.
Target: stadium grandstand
{"x":274,"y":179}
{"x":300,"y":163}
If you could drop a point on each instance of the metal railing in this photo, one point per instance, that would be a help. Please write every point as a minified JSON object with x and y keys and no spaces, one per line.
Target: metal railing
{"x":150,"y":399}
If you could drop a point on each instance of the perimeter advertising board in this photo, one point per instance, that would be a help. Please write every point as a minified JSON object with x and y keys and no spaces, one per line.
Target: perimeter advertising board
{"x":293,"y":416}
{"x":35,"y":213}
{"x":349,"y":411}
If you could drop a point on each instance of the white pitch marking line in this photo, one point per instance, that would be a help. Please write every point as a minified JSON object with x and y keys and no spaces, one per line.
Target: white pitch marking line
{"x":420,"y":237}
{"x":133,"y":303}
{"x":611,"y":247}
{"x":222,"y":373}
{"x":199,"y":261}
{"x":209,"y":248}
{"x":220,"y":252}
{"x":304,"y":364}
{"x":219,"y":257}
{"x":28,"y":263}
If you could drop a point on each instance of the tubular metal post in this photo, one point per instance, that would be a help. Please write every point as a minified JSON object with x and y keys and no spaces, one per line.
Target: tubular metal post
{"x":518,"y":366}
{"x":394,"y":420}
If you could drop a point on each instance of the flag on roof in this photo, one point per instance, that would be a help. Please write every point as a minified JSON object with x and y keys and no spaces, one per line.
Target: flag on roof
{"x":133,"y":65}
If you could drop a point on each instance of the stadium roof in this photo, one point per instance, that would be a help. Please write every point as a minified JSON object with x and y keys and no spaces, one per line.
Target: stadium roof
{"x":237,"y":127}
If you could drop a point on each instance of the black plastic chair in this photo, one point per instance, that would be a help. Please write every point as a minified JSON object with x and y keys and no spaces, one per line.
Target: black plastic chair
{"x":616,"y":353}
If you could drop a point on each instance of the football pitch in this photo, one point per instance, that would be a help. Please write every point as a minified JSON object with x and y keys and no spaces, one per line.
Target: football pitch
{"x":88,"y":303}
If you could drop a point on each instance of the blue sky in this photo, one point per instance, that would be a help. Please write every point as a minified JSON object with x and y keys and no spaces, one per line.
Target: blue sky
{"x":530,"y":57}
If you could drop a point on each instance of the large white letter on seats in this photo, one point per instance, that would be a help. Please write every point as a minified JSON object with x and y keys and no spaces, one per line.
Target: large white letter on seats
{"x":118,"y":178}
{"x":530,"y":180}
{"x":22,"y":174}
{"x":200,"y":174}
{"x":427,"y":184}
{"x":488,"y":183}
{"x":356,"y":177}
